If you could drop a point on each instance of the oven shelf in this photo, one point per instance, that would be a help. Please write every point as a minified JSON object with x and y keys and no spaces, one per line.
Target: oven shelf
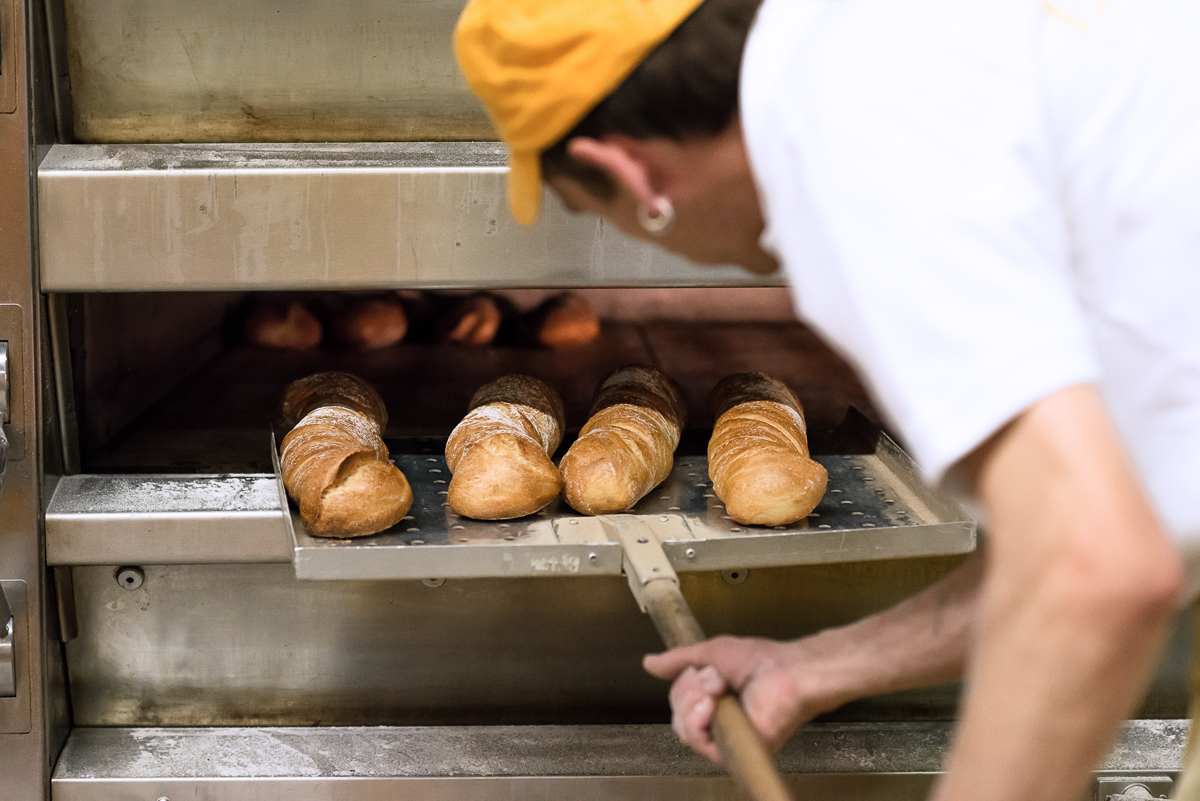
{"x":876,"y":507}
{"x":322,"y":216}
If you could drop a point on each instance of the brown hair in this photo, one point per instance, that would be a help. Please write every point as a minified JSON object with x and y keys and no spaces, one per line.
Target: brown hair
{"x":686,"y":88}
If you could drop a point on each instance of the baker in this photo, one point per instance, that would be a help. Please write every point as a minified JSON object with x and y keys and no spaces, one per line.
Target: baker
{"x":993,"y":209}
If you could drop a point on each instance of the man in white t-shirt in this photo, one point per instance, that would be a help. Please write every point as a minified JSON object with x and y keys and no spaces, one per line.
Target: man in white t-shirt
{"x":992,"y":208}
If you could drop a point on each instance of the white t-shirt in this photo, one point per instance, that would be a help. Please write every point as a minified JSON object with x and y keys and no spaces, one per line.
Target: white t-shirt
{"x":981,"y":202}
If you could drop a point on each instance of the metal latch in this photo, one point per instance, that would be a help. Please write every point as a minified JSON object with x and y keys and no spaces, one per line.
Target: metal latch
{"x":8,"y":686}
{"x":1133,"y":788}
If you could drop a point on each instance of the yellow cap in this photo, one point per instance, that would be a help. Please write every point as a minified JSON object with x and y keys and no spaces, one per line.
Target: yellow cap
{"x":541,"y":65}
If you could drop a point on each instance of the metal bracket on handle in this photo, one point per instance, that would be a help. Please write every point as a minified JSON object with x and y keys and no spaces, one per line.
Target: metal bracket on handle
{"x":7,"y":665}
{"x":3,"y":411}
{"x":644,"y":560}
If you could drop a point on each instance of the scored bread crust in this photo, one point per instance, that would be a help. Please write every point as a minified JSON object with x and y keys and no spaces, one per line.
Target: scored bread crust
{"x":758,"y":457}
{"x":499,"y":454}
{"x":335,"y":465}
{"x":627,"y":447}
{"x":332,"y":389}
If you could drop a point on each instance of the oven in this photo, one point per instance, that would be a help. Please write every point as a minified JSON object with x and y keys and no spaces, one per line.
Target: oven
{"x":174,"y":631}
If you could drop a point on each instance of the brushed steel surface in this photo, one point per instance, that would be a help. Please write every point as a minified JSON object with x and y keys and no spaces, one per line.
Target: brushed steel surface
{"x":8,"y":667}
{"x":222,"y":645}
{"x":165,"y":519}
{"x":16,"y":705}
{"x":823,"y":760}
{"x":176,"y":217}
{"x":267,"y":70}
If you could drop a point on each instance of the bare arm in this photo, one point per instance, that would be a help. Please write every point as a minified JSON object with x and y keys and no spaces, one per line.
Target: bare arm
{"x":1080,"y":588}
{"x":921,"y":641}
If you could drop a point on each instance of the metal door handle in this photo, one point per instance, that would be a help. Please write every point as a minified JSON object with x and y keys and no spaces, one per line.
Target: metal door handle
{"x":7,"y":666}
{"x":3,"y":414}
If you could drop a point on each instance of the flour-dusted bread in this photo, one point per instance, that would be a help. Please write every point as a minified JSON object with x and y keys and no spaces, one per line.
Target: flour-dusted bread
{"x":499,"y":454}
{"x":758,"y":456}
{"x":334,"y":462}
{"x":627,"y":447}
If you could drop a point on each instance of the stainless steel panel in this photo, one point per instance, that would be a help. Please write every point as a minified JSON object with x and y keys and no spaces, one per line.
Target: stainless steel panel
{"x":253,"y":645}
{"x":267,"y":70}
{"x":892,"y":761}
{"x":165,"y":519}
{"x":875,"y":508}
{"x":159,"y":217}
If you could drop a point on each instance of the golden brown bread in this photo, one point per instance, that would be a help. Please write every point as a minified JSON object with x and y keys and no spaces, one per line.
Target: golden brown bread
{"x":332,"y":389}
{"x":335,"y":465}
{"x":368,"y":323}
{"x":471,"y":320}
{"x":758,"y":455}
{"x":565,"y":319}
{"x":499,"y":454}
{"x":627,"y":447}
{"x":285,"y":324}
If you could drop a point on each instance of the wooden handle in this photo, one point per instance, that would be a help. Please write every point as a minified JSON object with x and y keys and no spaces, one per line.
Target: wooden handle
{"x":742,"y":750}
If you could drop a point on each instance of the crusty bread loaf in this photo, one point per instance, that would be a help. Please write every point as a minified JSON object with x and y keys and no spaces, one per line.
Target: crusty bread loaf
{"x":368,"y":323}
{"x":564,"y":319}
{"x":284,"y":324}
{"x":499,"y":454}
{"x":332,"y":389}
{"x":335,"y":465}
{"x":758,"y":455}
{"x":470,"y":320}
{"x":628,"y":445}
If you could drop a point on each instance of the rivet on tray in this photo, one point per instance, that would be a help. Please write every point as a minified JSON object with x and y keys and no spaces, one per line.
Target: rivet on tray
{"x":780,"y":528}
{"x":593,"y":558}
{"x":814,"y":514}
{"x":418,"y":542}
{"x":443,"y":492}
{"x":868,"y":525}
{"x":824,"y":525}
{"x":690,"y":553}
{"x":408,"y":517}
{"x":414,"y":528}
{"x":846,"y":502}
{"x":738,"y":530}
{"x":838,"y":491}
{"x":702,"y":484}
{"x":510,"y":537}
{"x":664,"y":497}
{"x":434,"y":470}
{"x":439,"y":481}
{"x":672,"y":508}
{"x":502,"y":525}
{"x":431,"y":459}
{"x":573,"y":522}
{"x":662,"y":518}
{"x":458,"y":528}
{"x":726,"y":517}
{"x":857,"y":514}
{"x":857,"y":467}
{"x":709,"y":495}
{"x":888,"y":501}
{"x":445,"y":503}
{"x":643,"y":540}
{"x":463,"y":539}
{"x":867,"y":478}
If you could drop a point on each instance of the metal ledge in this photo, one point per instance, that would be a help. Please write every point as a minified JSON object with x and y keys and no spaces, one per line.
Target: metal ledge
{"x":859,"y":760}
{"x":321,"y":216}
{"x":165,"y":519}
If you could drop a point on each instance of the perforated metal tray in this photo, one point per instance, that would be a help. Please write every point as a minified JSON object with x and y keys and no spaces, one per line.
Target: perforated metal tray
{"x":876,"y":507}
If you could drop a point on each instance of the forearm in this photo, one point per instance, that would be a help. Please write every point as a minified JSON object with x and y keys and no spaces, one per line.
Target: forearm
{"x":921,"y":641}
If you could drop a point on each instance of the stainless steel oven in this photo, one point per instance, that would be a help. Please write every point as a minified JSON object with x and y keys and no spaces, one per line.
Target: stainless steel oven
{"x":174,"y":634}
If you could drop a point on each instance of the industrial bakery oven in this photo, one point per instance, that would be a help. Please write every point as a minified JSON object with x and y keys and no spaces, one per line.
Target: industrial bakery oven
{"x":175,"y":634}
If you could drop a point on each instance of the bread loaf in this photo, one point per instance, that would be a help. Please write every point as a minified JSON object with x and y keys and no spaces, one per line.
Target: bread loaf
{"x":758,"y":455}
{"x":564,"y":319}
{"x":368,"y":323}
{"x":470,"y":320}
{"x":335,"y":465}
{"x":628,"y":445}
{"x":284,"y":324}
{"x":499,"y":455}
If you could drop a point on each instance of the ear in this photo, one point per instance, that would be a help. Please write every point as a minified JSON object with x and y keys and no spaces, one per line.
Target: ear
{"x":621,"y":159}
